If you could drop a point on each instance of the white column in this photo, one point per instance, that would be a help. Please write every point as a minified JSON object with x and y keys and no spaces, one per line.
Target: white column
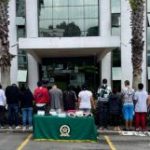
{"x":33,"y":72}
{"x":105,"y":31}
{"x":106,"y":68}
{"x":126,"y":63}
{"x":32,"y":32}
{"x":105,"y":18}
{"x":13,"y":41}
{"x":32,"y":18}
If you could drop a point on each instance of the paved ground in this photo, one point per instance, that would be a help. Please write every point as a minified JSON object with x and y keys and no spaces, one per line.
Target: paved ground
{"x":108,"y":140}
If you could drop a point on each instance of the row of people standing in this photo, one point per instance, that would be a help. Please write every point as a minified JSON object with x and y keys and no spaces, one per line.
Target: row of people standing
{"x":128,"y":103}
{"x":11,"y":99}
{"x":63,"y":100}
{"x":55,"y":99}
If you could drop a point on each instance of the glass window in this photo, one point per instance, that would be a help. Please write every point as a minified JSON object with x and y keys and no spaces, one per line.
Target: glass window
{"x":91,"y":12}
{"x":90,"y":2}
{"x":116,"y":85}
{"x":20,"y":31}
{"x":45,"y":24}
{"x":60,"y":24}
{"x":20,"y":8}
{"x":46,"y":2}
{"x":46,"y":13}
{"x":148,"y":5}
{"x":75,"y":2}
{"x":115,"y":31}
{"x":78,"y":22}
{"x":115,"y":20}
{"x":69,"y":15}
{"x":148,"y":38}
{"x":89,"y":23}
{"x":75,"y":12}
{"x":148,"y":19}
{"x":115,"y":6}
{"x":148,"y":58}
{"x":60,"y":2}
{"x":116,"y":58}
{"x":60,"y":12}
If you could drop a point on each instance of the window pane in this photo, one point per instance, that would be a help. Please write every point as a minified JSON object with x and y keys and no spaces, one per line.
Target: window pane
{"x":91,"y":2}
{"x":89,"y":23}
{"x":115,"y":6}
{"x":79,"y":23}
{"x":117,"y":85}
{"x":115,"y":21}
{"x":91,"y":12}
{"x":75,"y":12}
{"x":116,"y":57}
{"x":148,"y":38}
{"x":148,"y":5}
{"x":60,"y":12}
{"x":46,"y":13}
{"x":148,"y":19}
{"x":75,"y":2}
{"x":72,"y":29}
{"x":60,"y":2}
{"x":45,"y":24}
{"x":20,"y":32}
{"x":20,"y":8}
{"x":116,"y":31}
{"x":60,"y":24}
{"x":46,"y":2}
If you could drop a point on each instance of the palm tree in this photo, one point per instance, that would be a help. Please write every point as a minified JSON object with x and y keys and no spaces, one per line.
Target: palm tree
{"x":137,"y":43}
{"x":5,"y":56}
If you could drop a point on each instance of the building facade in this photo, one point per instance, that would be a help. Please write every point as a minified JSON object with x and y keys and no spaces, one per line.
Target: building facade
{"x":74,"y":41}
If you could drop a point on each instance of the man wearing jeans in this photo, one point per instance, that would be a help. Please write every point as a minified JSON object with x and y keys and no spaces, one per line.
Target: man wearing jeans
{"x":27,"y":107}
{"x":13,"y":96}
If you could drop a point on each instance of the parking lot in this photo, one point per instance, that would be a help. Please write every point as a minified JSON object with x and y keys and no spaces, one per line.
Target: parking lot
{"x":111,"y":141}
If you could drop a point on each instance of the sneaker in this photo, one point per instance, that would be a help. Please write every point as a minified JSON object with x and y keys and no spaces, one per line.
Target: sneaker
{"x":24,"y":128}
{"x":30,"y":128}
{"x":18,"y":127}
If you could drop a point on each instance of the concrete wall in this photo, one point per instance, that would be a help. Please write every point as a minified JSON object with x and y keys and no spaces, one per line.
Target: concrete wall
{"x":13,"y":41}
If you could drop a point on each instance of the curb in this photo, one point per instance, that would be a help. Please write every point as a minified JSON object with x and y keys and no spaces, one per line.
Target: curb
{"x":15,"y":131}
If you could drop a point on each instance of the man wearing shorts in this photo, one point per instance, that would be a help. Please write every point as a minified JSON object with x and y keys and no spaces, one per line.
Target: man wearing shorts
{"x":128,"y":106}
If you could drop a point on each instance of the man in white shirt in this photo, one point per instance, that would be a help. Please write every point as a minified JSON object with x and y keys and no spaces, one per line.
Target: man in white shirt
{"x":85,"y":98}
{"x":141,"y":98}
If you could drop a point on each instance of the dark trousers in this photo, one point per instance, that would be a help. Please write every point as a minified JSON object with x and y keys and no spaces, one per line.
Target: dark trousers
{"x":103,"y":114}
{"x":115,"y":118}
{"x":2,"y":113}
{"x":13,"y":114}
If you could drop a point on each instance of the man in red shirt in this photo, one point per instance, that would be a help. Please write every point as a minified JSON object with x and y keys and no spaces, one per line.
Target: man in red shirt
{"x":41,"y":97}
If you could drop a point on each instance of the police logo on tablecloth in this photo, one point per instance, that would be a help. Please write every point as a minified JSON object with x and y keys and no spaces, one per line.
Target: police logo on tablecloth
{"x":64,"y":130}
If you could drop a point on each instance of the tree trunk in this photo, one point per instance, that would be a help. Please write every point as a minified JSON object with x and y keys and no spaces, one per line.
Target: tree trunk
{"x":136,"y":78}
{"x":5,"y":77}
{"x":137,"y":43}
{"x":5,"y":56}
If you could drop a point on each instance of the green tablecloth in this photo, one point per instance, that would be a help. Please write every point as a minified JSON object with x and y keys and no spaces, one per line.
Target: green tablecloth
{"x":68,"y":128}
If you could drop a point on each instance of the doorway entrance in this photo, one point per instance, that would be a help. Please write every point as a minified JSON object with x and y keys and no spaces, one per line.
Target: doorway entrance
{"x":70,"y":71}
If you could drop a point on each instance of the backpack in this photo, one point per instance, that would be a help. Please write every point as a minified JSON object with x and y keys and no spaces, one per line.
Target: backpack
{"x":104,"y":93}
